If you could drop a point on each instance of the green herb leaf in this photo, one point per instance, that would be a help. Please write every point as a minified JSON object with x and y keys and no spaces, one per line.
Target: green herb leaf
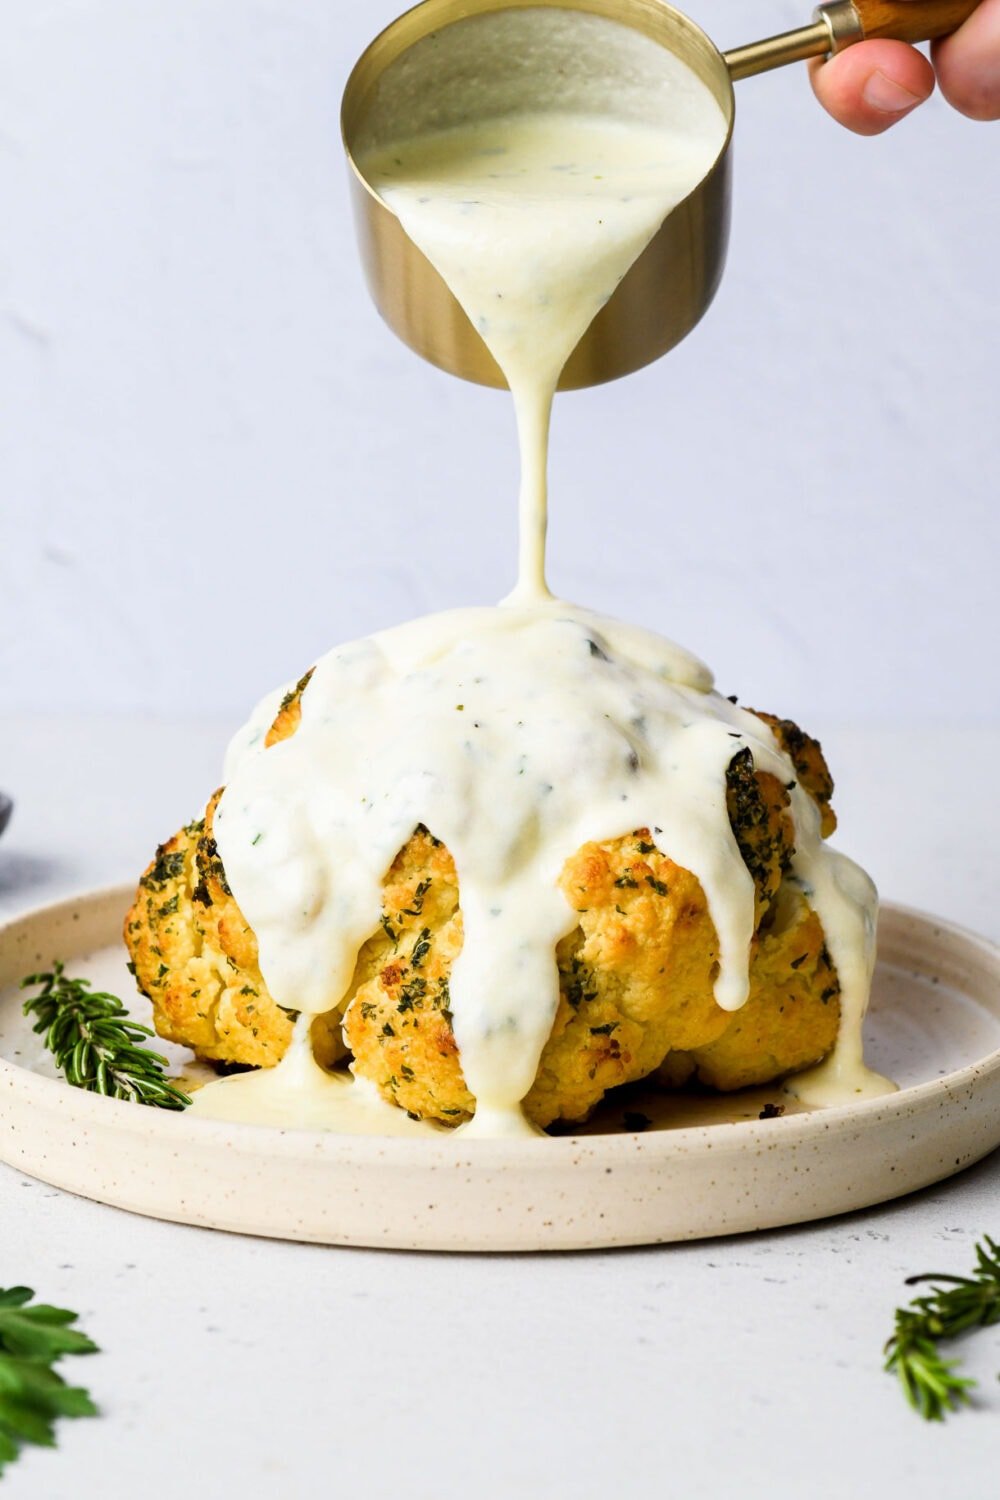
{"x":96,"y":1044}
{"x":955,"y":1305}
{"x":32,"y":1395}
{"x":421,"y":947}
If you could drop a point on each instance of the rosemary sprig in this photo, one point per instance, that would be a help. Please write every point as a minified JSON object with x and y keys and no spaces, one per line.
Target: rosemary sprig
{"x":32,"y":1395}
{"x":96,"y":1043}
{"x":954,"y":1305}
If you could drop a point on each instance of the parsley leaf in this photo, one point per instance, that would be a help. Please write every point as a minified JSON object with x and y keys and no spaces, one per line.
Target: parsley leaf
{"x":32,"y":1395}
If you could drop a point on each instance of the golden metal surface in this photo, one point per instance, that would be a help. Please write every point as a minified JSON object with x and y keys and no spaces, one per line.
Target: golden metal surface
{"x":673,"y":282}
{"x":776,"y":51}
{"x":835,"y":26}
{"x":845,"y":23}
{"x":657,"y":303}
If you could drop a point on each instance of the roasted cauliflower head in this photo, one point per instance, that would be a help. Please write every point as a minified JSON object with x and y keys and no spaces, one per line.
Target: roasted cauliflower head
{"x":636,"y":974}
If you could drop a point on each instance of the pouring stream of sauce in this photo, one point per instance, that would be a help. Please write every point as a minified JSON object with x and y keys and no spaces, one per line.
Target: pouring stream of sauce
{"x":519,"y":733}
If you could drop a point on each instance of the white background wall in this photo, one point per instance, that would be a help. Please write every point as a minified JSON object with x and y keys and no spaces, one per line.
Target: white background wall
{"x":215,"y":461}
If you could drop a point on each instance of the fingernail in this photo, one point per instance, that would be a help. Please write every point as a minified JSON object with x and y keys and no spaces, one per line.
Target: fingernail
{"x":887,"y":96}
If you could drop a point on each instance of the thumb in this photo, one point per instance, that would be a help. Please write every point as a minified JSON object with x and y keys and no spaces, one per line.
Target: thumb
{"x":870,"y":86}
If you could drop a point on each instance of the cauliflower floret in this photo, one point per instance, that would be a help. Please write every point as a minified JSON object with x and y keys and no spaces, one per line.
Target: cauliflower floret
{"x":636,"y":974}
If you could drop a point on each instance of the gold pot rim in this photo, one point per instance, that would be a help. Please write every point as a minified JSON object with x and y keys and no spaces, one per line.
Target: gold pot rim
{"x":639,"y":323}
{"x":409,"y":28}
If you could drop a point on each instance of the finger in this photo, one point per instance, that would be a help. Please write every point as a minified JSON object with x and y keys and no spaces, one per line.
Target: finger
{"x":968,"y":64}
{"x":870,"y":86}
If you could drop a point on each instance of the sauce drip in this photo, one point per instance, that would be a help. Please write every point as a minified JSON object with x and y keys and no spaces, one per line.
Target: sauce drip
{"x":533,"y":220}
{"x":515,"y":734}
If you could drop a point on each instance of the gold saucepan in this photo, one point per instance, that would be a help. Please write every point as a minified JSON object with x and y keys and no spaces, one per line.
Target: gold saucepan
{"x":671,"y":285}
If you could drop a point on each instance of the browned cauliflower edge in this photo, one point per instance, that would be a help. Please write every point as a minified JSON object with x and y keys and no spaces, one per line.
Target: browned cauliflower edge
{"x":636,"y":975}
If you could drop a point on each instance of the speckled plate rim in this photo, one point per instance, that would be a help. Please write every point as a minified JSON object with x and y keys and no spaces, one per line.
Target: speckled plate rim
{"x":248,"y":1161}
{"x":44,"y":1090}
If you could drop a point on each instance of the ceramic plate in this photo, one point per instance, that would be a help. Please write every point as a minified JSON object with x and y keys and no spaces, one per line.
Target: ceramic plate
{"x":707,"y":1165}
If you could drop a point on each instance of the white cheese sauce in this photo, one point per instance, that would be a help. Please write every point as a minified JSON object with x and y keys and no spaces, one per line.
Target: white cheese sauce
{"x":519,"y":733}
{"x":533,"y":221}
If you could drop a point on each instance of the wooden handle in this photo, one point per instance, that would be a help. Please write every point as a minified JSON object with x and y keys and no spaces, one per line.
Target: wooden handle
{"x":913,"y":20}
{"x":841,"y":23}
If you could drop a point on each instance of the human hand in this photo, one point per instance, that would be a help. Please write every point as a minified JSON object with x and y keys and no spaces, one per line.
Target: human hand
{"x":870,"y":86}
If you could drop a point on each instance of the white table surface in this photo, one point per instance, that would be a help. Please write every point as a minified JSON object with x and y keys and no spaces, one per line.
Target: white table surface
{"x":732,"y":1367}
